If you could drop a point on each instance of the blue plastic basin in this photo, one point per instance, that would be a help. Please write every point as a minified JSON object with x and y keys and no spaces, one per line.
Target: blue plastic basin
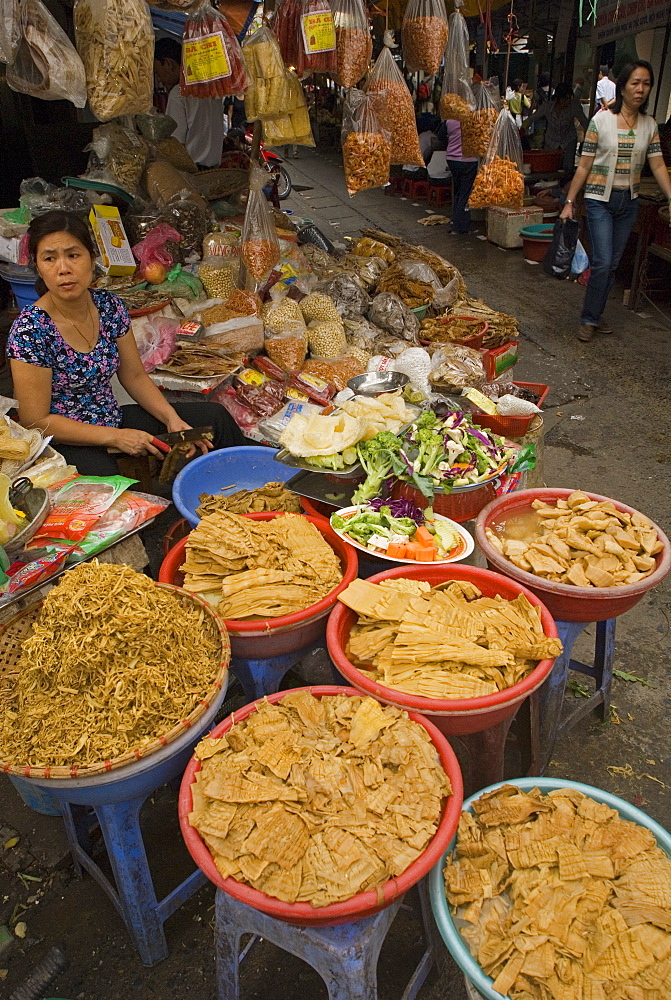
{"x":245,"y":468}
{"x":441,"y":909}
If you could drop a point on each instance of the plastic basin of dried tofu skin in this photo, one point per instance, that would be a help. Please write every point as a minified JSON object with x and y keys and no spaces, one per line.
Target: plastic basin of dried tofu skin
{"x":364,"y":903}
{"x":265,"y":637}
{"x":455,"y":944}
{"x":566,"y":602}
{"x":453,"y":716}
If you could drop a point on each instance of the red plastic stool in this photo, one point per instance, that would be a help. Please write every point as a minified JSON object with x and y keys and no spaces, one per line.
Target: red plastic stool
{"x":395,"y":186}
{"x":421,"y":190}
{"x":407,"y":187}
{"x":439,"y":196}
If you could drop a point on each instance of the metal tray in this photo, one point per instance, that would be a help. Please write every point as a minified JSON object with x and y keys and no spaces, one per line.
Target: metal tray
{"x":351,"y":472}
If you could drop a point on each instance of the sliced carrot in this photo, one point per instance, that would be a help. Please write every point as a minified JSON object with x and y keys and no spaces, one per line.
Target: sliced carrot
{"x":426,"y":554}
{"x":411,"y":550}
{"x":423,"y":536}
{"x":396,"y":550}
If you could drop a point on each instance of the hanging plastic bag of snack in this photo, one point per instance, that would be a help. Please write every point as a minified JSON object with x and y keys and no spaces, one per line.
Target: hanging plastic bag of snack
{"x":47,"y":64}
{"x":293,"y":126}
{"x":115,"y":39}
{"x":424,"y":35}
{"x":287,"y":28}
{"x":212,"y":62}
{"x":10,"y":30}
{"x":477,"y":129}
{"x":316,"y":39}
{"x":500,"y":182}
{"x":260,"y":249}
{"x":457,"y":100}
{"x":395,"y":110}
{"x":354,"y":45}
{"x":267,"y":94}
{"x":366,"y":149}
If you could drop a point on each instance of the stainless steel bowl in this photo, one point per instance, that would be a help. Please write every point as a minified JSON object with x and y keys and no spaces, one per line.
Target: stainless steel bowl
{"x":34,"y":503}
{"x":375,"y":383}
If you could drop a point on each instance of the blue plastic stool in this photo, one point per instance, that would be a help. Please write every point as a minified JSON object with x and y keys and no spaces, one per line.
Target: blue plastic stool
{"x":262,"y":677}
{"x":116,"y":798}
{"x":345,"y":956}
{"x":550,"y":697}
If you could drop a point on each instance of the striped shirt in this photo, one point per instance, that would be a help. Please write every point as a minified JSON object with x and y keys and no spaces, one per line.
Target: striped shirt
{"x":618,"y":156}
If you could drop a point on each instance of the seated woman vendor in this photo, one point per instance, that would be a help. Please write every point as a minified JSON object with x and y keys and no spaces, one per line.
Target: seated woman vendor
{"x":65,"y":349}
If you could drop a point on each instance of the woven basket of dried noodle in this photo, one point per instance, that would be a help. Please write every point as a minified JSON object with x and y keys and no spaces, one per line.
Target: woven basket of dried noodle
{"x":19,"y":628}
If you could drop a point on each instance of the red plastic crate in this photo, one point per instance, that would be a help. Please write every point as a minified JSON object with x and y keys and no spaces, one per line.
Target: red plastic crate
{"x":514,"y":427}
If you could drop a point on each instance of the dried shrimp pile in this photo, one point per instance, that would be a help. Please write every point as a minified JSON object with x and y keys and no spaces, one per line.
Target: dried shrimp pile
{"x":559,"y":898}
{"x":272,"y":496}
{"x":443,"y":643}
{"x":113,"y":662}
{"x":314,"y":801}
{"x":259,"y":568}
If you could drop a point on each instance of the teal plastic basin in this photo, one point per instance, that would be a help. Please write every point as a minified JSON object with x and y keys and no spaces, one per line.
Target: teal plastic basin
{"x":539,"y":231}
{"x":441,"y":909}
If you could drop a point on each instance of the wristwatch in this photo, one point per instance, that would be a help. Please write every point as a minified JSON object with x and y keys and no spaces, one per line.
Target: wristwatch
{"x":569,"y":201}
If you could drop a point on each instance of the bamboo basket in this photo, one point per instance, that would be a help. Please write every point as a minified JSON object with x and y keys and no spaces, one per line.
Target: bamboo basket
{"x":17,"y":629}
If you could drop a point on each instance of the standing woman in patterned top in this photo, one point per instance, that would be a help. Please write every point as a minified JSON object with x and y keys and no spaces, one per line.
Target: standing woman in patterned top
{"x":616,"y":145}
{"x":65,"y":350}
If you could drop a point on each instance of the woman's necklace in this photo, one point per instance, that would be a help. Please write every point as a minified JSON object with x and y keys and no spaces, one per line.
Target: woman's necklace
{"x":89,"y":343}
{"x":630,"y":125}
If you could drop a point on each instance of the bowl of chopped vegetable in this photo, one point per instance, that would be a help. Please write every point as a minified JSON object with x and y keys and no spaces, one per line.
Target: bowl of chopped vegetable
{"x":400,"y":532}
{"x":597,"y":577}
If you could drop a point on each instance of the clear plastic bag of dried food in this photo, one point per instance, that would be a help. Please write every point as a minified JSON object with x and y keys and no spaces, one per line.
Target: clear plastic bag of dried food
{"x":354,"y":44}
{"x":455,"y":367}
{"x":115,"y":39}
{"x":477,"y":129}
{"x":395,"y":109}
{"x":387,"y":311}
{"x":316,"y":38}
{"x":192,"y":222}
{"x":154,"y":126}
{"x":260,"y":248}
{"x":326,"y":338}
{"x":366,"y":148}
{"x":287,"y":349}
{"x":118,"y":152}
{"x":457,"y":100}
{"x":424,"y":35}
{"x":46,"y":64}
{"x":10,"y":30}
{"x":349,"y":296}
{"x":212,"y":63}
{"x":268,"y":91}
{"x":499,"y":181}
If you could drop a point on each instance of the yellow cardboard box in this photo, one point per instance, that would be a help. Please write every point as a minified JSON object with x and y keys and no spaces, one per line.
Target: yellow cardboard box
{"x":115,"y":252}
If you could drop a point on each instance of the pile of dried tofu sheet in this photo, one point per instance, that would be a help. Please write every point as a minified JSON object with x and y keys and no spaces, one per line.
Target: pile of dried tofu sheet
{"x":260,"y":569}
{"x":443,"y":642}
{"x":582,"y":542}
{"x":559,"y":898}
{"x":316,"y":800}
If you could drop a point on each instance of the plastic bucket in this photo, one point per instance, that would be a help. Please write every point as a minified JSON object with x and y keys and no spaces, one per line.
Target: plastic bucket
{"x":566,"y":603}
{"x":245,"y":468}
{"x":261,"y":638}
{"x":363,"y":904}
{"x":24,"y":292}
{"x":441,"y":910}
{"x":462,"y":504}
{"x":453,"y":716}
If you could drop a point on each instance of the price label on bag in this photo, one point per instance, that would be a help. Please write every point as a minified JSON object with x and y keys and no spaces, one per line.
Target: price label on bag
{"x":318,"y":32}
{"x":205,"y":58}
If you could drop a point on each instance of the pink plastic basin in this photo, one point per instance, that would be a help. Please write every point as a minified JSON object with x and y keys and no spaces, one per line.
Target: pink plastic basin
{"x":365,"y":903}
{"x":453,"y":716}
{"x":261,"y":638}
{"x":567,"y":603}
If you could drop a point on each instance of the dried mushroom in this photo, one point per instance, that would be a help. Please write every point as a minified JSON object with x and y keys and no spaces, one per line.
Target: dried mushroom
{"x":314,"y":801}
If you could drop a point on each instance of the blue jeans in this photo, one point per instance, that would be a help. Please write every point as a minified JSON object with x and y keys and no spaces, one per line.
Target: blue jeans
{"x":610,"y":224}
{"x":463,"y":176}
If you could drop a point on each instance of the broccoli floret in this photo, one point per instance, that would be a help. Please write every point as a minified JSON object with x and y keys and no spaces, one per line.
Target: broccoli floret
{"x":430,"y":450}
{"x":399,"y":525}
{"x":426,"y":420}
{"x":376,"y":457}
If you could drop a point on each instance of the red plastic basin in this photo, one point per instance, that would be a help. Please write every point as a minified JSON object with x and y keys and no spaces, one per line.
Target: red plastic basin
{"x":261,"y":638}
{"x":365,"y":903}
{"x":567,"y":603}
{"x":453,"y":716}
{"x":462,"y":504}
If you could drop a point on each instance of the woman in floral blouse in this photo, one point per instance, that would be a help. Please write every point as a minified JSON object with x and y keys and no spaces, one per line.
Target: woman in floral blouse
{"x":65,"y":349}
